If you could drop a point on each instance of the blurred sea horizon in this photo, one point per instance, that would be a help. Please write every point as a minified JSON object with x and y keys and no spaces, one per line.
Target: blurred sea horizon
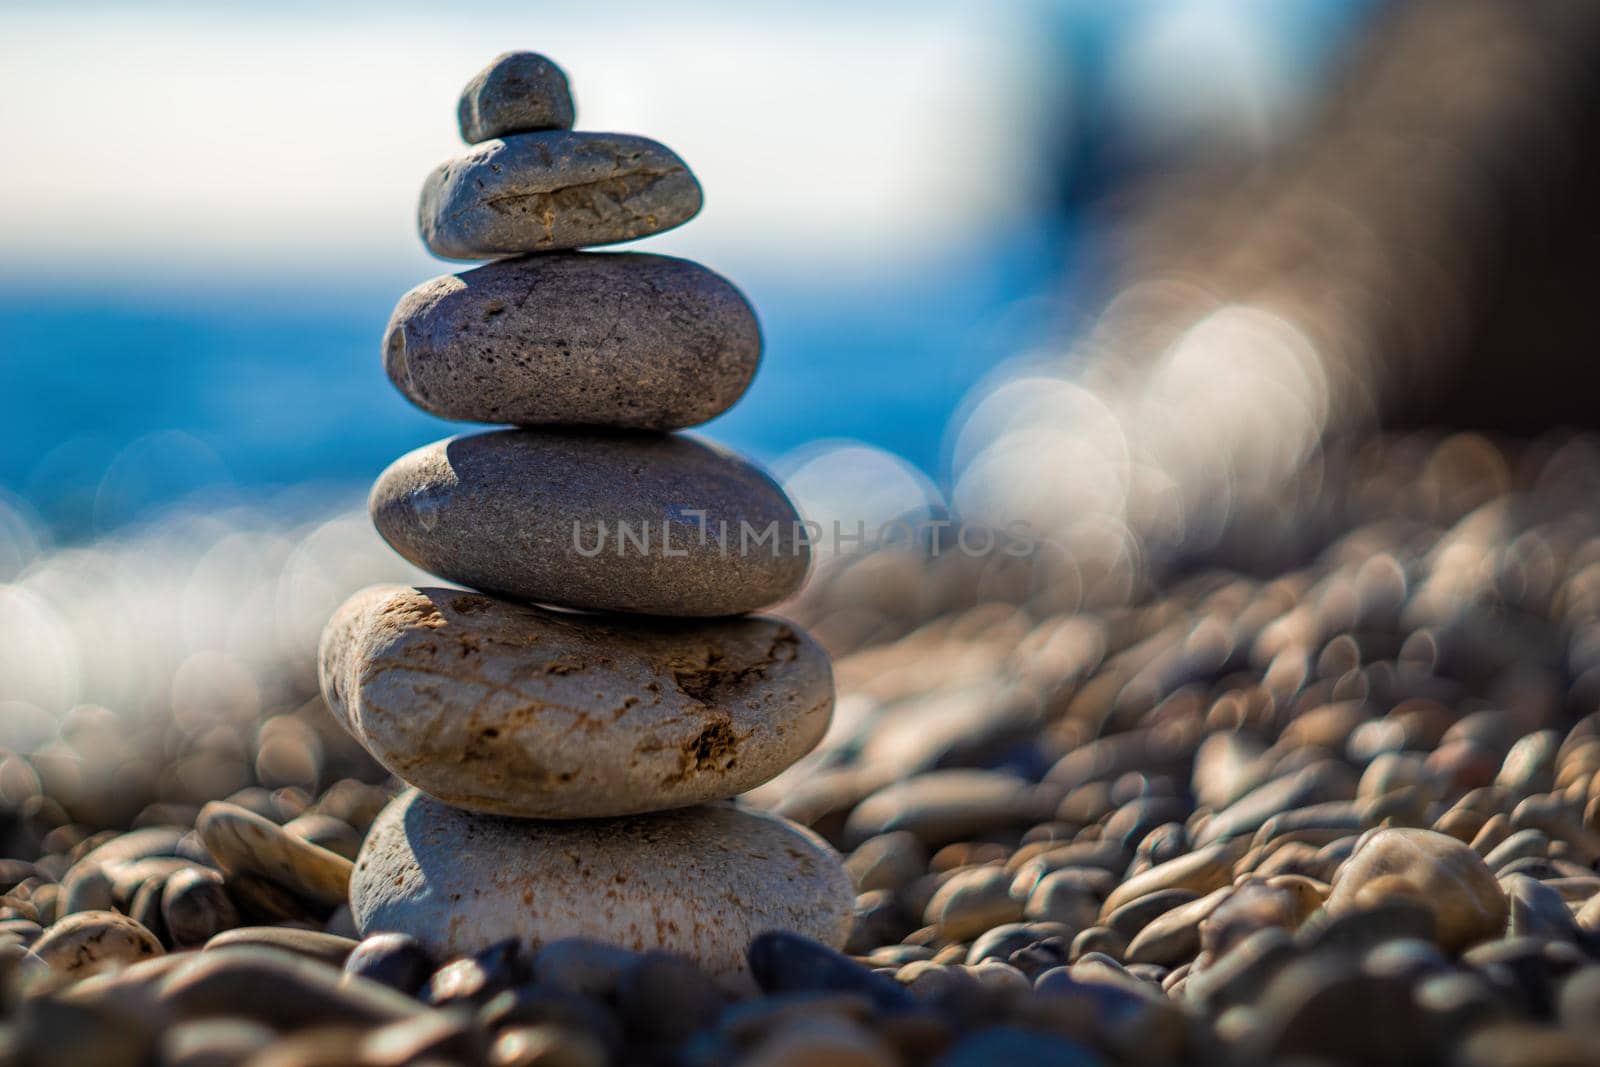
{"x":194,"y":289}
{"x":137,"y":398}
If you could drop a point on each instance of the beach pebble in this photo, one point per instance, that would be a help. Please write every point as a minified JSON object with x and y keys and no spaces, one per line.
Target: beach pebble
{"x":512,"y":710}
{"x":1239,"y":976}
{"x":1329,"y":1008}
{"x":698,"y":881}
{"x":1132,"y":917}
{"x":1003,"y":1044}
{"x":243,"y":842}
{"x":888,"y":861}
{"x":665,"y":999}
{"x":786,"y":962}
{"x":22,"y":932}
{"x":1536,"y":910}
{"x":1200,"y":871}
{"x":331,"y":949}
{"x":518,"y":92}
{"x":331,"y":833}
{"x":623,"y":339}
{"x":543,"y":192}
{"x":214,"y":1042}
{"x":1530,"y":766}
{"x":546,"y":1045}
{"x":823,"y":1041}
{"x":1100,"y":940}
{"x":1319,"y":782}
{"x":395,"y":960}
{"x":431,"y":1037}
{"x":1068,"y":895}
{"x":971,"y":902}
{"x":476,"y":978}
{"x":195,"y":906}
{"x":1427,"y":868}
{"x":281,"y":989}
{"x":1398,"y":916}
{"x":86,"y":887}
{"x":583,"y":966}
{"x":53,"y":1032}
{"x":944,"y":806}
{"x":88,"y":942}
{"x":1173,"y":936}
{"x":1000,"y":942}
{"x":601,"y":523}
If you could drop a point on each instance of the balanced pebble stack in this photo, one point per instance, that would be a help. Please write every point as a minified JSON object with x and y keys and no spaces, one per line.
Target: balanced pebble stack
{"x":574,"y":729}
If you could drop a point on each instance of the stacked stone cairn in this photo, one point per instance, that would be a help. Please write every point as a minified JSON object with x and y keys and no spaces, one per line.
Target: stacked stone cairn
{"x":575,"y":727}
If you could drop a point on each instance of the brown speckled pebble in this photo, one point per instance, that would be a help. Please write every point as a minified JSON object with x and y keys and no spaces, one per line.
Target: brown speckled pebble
{"x":620,"y":339}
{"x":1432,"y":869}
{"x":543,"y":192}
{"x":516,"y":93}
{"x":699,"y":881}
{"x":514,"y":710}
{"x":243,"y":842}
{"x":88,"y":942}
{"x":519,"y":513}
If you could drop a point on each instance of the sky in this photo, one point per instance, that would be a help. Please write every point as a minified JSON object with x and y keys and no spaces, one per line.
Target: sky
{"x":257,"y":141}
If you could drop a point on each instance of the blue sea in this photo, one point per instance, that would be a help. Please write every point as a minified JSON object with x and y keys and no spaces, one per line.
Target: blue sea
{"x":118,"y":402}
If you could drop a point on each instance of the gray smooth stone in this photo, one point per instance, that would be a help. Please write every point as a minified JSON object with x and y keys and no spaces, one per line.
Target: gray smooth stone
{"x":517,"y":93}
{"x":543,"y":192}
{"x":595,"y":522}
{"x":626,"y":340}
{"x":698,"y":881}
{"x":512,"y":710}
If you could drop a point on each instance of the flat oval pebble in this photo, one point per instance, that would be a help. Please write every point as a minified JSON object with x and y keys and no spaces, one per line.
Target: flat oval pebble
{"x":89,"y":942}
{"x":1428,"y":868}
{"x":281,"y":989}
{"x":544,"y":192}
{"x":394,"y":960}
{"x":513,"y":710}
{"x":1200,"y":871}
{"x":659,"y":525}
{"x":313,"y":944}
{"x":944,"y":806}
{"x":516,"y":93}
{"x":700,"y":881}
{"x":243,"y":842}
{"x":621,"y":339}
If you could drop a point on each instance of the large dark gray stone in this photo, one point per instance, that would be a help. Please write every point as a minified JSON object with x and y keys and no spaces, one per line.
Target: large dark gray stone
{"x":638,"y":523}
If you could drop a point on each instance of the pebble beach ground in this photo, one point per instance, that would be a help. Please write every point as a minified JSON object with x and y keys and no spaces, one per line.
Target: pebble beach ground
{"x":1279,"y":746}
{"x":1339,"y":813}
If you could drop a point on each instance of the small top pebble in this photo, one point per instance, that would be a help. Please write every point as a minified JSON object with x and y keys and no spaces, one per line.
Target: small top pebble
{"x":517,"y":93}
